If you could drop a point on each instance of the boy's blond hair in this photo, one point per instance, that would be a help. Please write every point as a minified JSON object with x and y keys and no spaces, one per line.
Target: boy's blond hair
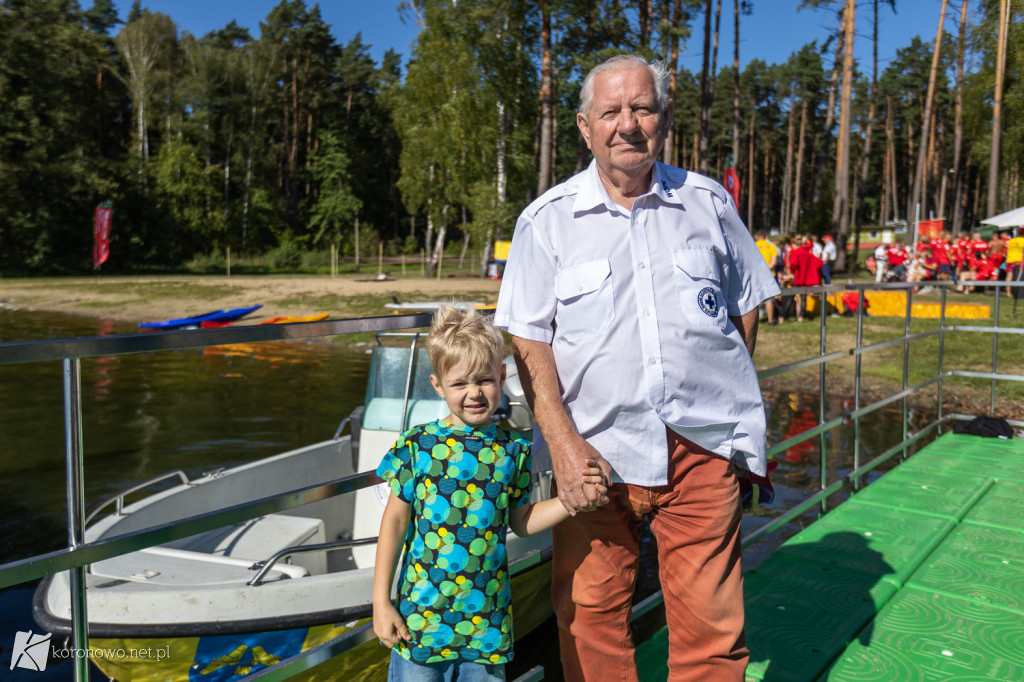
{"x":456,"y":336}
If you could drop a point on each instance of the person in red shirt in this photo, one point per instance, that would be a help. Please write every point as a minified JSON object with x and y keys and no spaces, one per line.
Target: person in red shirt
{"x":806,"y":268}
{"x":898,"y":261}
{"x":962,"y":254}
{"x":979,"y":247}
{"x":941,"y":249}
{"x":981,"y":270}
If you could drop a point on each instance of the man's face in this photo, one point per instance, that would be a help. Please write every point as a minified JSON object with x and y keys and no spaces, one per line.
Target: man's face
{"x":623,"y":127}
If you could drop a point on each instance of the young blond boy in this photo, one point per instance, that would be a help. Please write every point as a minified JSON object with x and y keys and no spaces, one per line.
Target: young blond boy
{"x":457,"y":485}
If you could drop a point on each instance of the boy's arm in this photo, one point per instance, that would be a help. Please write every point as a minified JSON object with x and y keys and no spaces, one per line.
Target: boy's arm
{"x":388,"y":624}
{"x":531,"y":519}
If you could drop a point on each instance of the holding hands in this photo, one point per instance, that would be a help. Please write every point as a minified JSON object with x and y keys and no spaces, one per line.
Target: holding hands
{"x":583,"y":475}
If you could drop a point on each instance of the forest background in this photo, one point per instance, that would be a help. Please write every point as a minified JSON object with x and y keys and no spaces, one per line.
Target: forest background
{"x":282,"y":146}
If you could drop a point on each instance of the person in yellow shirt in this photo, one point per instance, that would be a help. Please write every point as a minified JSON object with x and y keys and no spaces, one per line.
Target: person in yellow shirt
{"x":771,"y":256}
{"x":1014,"y":263}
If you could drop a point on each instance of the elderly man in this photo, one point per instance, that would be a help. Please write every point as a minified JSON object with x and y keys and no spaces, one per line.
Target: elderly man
{"x":631,"y":292}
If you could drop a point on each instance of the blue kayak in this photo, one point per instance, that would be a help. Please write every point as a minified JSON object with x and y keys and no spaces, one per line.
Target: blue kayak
{"x":196,"y":320}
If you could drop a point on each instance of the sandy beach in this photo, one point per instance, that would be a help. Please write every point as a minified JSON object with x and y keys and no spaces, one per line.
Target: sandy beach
{"x":150,"y":298}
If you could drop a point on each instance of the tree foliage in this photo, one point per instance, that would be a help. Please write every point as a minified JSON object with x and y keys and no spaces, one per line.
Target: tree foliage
{"x":289,"y":137}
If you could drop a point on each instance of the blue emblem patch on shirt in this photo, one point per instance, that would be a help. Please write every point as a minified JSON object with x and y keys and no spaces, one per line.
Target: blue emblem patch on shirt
{"x":708,"y":301}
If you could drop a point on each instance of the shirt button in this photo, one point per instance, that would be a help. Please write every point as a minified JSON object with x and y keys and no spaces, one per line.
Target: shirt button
{"x":652,"y":361}
{"x":647,"y":312}
{"x":643,"y":266}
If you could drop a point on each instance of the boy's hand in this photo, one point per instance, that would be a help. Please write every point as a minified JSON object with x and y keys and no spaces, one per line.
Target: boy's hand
{"x":595,"y":476}
{"x":389,"y":626}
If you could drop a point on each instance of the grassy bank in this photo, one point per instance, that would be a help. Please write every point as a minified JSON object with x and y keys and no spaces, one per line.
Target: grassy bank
{"x":136,"y":299}
{"x":882,"y":371}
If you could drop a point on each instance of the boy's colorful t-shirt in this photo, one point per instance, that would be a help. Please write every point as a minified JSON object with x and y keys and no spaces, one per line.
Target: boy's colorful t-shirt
{"x":455,"y":595}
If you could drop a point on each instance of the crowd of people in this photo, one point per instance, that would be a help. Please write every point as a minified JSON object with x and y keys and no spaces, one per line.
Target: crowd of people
{"x":797,"y":261}
{"x":806,"y":261}
{"x":943,"y":258}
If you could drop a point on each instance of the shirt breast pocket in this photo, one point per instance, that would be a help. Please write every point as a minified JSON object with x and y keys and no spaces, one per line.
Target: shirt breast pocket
{"x":585,"y":300}
{"x":698,"y":282}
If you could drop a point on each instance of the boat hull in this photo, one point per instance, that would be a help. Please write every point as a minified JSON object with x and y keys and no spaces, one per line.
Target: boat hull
{"x":232,"y":656}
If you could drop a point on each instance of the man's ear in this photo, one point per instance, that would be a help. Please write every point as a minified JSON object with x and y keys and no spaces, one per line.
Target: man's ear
{"x":584,"y":126}
{"x":668,"y":117}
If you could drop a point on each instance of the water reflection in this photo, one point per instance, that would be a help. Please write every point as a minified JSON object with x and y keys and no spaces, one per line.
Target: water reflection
{"x":148,"y":413}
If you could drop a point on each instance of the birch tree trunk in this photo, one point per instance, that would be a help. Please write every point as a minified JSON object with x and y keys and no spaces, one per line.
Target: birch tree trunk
{"x":918,"y":193}
{"x":546,"y":104}
{"x":787,"y":173}
{"x":795,"y":221}
{"x":840,"y":207}
{"x":958,"y":124}
{"x":736,"y":86}
{"x":997,"y":108}
{"x":826,"y":136}
{"x":706,"y":93}
{"x":668,"y":153}
{"x":861,"y":183}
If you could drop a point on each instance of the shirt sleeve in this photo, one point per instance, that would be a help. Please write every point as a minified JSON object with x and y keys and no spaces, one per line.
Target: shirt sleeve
{"x":526,"y":302}
{"x":522,"y":484}
{"x":749,"y":281}
{"x":397,"y":470}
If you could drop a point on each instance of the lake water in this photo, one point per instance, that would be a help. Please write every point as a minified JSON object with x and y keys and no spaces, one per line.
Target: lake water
{"x":149,"y":413}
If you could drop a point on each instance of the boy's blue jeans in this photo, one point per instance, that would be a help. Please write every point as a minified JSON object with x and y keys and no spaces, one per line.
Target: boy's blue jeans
{"x":401,"y":670}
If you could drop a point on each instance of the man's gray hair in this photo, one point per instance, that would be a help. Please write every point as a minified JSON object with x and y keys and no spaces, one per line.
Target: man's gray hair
{"x":659,"y":71}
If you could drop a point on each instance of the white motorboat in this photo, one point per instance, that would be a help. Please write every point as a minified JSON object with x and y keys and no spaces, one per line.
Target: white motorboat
{"x":232,"y":600}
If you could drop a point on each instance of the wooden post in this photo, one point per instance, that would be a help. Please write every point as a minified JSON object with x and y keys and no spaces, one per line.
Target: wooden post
{"x":229,"y":261}
{"x":380,"y":259}
{"x":403,"y":265}
{"x":440,"y":260}
{"x":423,"y":264}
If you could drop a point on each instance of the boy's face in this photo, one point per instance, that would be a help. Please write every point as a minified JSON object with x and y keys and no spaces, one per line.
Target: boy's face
{"x":471,"y":395}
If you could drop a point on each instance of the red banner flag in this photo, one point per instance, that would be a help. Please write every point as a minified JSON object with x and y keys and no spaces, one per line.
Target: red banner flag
{"x":101,"y":219}
{"x":732,"y":184}
{"x":931,"y":228}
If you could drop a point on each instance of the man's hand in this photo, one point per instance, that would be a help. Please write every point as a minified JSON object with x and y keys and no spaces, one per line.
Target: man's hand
{"x":388,"y":625}
{"x":571,"y":459}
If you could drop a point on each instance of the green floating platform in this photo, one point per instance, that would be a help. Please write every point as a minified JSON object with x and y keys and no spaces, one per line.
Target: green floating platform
{"x":883,"y":542}
{"x":920,"y":635}
{"x":919,"y":576}
{"x":926,"y":491}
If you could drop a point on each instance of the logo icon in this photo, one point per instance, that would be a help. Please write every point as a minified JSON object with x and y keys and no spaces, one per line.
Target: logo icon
{"x":708,"y":301}
{"x":31,"y":651}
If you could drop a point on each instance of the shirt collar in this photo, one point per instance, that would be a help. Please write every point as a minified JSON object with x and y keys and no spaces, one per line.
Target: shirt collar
{"x":592,"y":192}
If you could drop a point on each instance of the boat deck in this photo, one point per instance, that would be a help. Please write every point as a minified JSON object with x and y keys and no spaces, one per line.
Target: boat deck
{"x":918,"y":576}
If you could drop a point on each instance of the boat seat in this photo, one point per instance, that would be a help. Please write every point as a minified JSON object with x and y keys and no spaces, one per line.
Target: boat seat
{"x":178,"y":567}
{"x":260,"y":538}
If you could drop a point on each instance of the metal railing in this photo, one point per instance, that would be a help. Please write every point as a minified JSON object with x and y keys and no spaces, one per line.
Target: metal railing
{"x":79,"y":554}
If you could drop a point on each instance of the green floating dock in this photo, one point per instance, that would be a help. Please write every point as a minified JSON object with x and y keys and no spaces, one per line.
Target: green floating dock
{"x":919,"y":576}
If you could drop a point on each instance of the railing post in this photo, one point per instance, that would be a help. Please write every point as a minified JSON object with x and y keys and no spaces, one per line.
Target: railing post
{"x":995,"y":351}
{"x":856,"y":388}
{"x":942,"y":340}
{"x":76,"y":510}
{"x":821,"y":400}
{"x":906,"y":365}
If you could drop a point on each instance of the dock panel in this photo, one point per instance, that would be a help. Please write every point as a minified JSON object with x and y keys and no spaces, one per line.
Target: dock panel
{"x":919,"y":576}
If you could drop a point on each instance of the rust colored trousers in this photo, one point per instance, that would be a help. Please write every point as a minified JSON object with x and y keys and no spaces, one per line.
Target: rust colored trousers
{"x":696,"y":522}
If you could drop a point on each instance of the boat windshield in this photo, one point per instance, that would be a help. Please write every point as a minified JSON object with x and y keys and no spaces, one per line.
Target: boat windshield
{"x":386,"y":387}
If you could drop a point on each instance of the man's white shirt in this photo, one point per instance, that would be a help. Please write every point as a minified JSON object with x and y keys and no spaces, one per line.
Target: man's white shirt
{"x":636,"y":306}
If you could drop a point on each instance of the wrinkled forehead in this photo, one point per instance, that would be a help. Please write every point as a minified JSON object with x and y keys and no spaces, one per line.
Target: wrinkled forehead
{"x":627,"y":85}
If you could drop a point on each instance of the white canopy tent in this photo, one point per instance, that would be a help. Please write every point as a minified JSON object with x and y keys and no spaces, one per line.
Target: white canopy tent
{"x":1014,"y":218}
